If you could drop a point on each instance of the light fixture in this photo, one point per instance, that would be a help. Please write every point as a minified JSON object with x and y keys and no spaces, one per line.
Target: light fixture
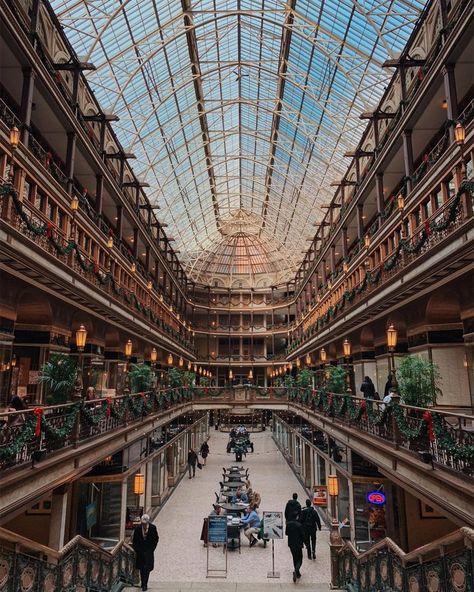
{"x":81,"y":336}
{"x":345,"y":267}
{"x":181,"y":362}
{"x":329,"y":284}
{"x":346,"y":346}
{"x":367,"y":241}
{"x":444,"y":104}
{"x":139,"y":484}
{"x":231,"y":374}
{"x":13,"y":361}
{"x":322,"y":355}
{"x":392,"y":335}
{"x":74,"y":205}
{"x":153,"y":355}
{"x":251,"y":374}
{"x":149,"y":285}
{"x":189,"y":366}
{"x":170,"y":359}
{"x":110,"y":242}
{"x":459,"y":133}
{"x":14,"y":137}
{"x":195,"y":368}
{"x":128,"y":349}
{"x":298,"y":362}
{"x":333,"y":485}
{"x":133,"y":267}
{"x":401,"y":201}
{"x":308,"y":360}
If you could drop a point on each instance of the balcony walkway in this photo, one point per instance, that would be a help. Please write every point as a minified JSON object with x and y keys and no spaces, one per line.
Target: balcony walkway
{"x":181,"y":556}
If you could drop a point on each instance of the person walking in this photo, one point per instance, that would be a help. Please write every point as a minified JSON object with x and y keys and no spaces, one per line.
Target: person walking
{"x":293,"y":508}
{"x":310,"y":521}
{"x":204,"y":451}
{"x":144,"y":541}
{"x":295,"y":533}
{"x":192,"y":460}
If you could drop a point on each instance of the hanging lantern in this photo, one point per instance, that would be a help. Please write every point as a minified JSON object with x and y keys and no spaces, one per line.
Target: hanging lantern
{"x":149,"y":285}
{"x":110,"y":242}
{"x":13,"y":361}
{"x":251,"y":374}
{"x":392,"y":336}
{"x":153,"y":355}
{"x":322,"y":355}
{"x":181,"y":362}
{"x":298,"y":362}
{"x":459,"y":133}
{"x":14,"y":137}
{"x":195,"y":368}
{"x":333,"y":485}
{"x":128,"y":349}
{"x":401,"y":201}
{"x":81,"y":336}
{"x":367,"y":241}
{"x":346,"y":346}
{"x":308,"y":360}
{"x":170,"y":359}
{"x":189,"y":366}
{"x":139,"y":484}
{"x":231,"y":374}
{"x":345,"y":267}
{"x":74,"y":205}
{"x":133,"y":267}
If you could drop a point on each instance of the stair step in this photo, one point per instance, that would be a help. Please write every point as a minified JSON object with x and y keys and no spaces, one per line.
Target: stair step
{"x":220,"y":585}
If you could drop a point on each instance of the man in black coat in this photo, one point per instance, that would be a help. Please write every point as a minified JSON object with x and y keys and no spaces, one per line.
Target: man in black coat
{"x":192,"y":460}
{"x":293,"y":508}
{"x":295,"y":533}
{"x":145,"y":539}
{"x":310,"y":521}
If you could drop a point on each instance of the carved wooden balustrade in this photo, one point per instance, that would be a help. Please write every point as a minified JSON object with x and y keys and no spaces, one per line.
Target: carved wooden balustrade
{"x":79,"y":566}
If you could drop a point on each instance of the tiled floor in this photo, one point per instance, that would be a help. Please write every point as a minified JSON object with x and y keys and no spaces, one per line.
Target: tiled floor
{"x":180,"y":559}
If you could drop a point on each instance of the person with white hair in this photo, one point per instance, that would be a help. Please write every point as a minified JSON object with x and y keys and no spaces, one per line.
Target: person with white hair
{"x":145,"y":539}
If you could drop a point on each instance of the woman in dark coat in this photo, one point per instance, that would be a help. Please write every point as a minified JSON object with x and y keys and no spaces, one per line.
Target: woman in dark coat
{"x":368,"y":388}
{"x":145,"y":539}
{"x":204,"y":451}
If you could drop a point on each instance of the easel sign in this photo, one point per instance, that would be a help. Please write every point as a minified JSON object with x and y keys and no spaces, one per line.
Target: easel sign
{"x":216,"y":535}
{"x":273,"y":529}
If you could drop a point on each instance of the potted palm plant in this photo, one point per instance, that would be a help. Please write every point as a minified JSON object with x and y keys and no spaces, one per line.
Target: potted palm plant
{"x":418,"y":381}
{"x":58,"y":375}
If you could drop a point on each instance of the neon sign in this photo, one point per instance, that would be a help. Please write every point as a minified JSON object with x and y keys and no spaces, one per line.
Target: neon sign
{"x":377,"y":498}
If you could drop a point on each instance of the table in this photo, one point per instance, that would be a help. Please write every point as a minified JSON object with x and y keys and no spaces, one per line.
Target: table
{"x":233,"y":484}
{"x":235,"y":508}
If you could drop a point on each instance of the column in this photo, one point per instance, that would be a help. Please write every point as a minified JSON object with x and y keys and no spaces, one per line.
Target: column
{"x":135,"y":242}
{"x":57,"y":524}
{"x":99,"y":189}
{"x":333,"y":258}
{"x":449,"y":81}
{"x":379,"y":195}
{"x":119,"y":225}
{"x":360,"y":221}
{"x":408,"y":157}
{"x":123,"y":510}
{"x":70,"y":157}
{"x":344,"y":242}
{"x":26,"y":103}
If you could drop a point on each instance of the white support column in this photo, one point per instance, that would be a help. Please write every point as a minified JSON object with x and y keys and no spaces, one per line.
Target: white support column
{"x":57,"y":525}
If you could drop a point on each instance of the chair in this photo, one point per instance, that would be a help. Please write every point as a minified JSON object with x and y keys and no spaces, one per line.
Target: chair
{"x":221,"y":485}
{"x":233,"y":535}
{"x":217,"y":496}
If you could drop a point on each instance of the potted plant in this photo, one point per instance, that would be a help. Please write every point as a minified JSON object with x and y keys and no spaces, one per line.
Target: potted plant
{"x":58,"y":375}
{"x":418,"y":381}
{"x":304,"y":382}
{"x":335,"y":379}
{"x":141,"y":378}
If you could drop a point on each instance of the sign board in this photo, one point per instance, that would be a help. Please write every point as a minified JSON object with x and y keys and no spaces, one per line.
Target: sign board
{"x":320,"y":496}
{"x":217,"y":529}
{"x":91,"y":515}
{"x":133,"y":517}
{"x":273,"y":525}
{"x":377,"y":498}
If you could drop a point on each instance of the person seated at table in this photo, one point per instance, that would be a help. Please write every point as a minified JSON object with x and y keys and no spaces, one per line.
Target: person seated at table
{"x":251,"y":524}
{"x":230,"y":445}
{"x":233,"y":433}
{"x":256,"y":499}
{"x":240,"y":497}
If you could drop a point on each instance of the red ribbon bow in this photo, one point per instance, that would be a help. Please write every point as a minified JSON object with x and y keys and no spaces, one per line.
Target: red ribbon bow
{"x":109,"y":406}
{"x":363,"y":406}
{"x":429,"y":424}
{"x":49,"y":229}
{"x":38,"y":411}
{"x":427,"y":228}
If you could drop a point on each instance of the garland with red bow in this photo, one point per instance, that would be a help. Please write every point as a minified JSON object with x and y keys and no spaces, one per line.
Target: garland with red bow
{"x":428,"y":419}
{"x":38,"y":412}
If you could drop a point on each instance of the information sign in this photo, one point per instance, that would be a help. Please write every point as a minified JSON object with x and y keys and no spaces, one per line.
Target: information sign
{"x":217,"y":531}
{"x":320,"y":495}
{"x":273,"y":525}
{"x":377,"y":498}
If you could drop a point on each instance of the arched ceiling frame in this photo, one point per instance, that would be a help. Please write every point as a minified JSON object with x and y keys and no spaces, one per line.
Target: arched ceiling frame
{"x":304,"y":71}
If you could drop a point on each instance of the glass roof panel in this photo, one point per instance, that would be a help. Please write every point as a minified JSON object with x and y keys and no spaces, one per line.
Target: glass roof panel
{"x":248,"y":104}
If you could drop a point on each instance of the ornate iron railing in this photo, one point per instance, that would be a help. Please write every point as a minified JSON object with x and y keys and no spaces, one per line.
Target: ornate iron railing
{"x":31,"y":434}
{"x":444,"y":564}
{"x":79,"y":565}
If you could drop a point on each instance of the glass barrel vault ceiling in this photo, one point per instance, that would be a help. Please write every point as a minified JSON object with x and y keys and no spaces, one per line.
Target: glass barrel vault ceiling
{"x":238,"y":109}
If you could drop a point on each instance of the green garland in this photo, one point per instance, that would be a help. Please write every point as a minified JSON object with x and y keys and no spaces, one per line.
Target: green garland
{"x":26,"y":435}
{"x":450,"y":446}
{"x":54,"y":433}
